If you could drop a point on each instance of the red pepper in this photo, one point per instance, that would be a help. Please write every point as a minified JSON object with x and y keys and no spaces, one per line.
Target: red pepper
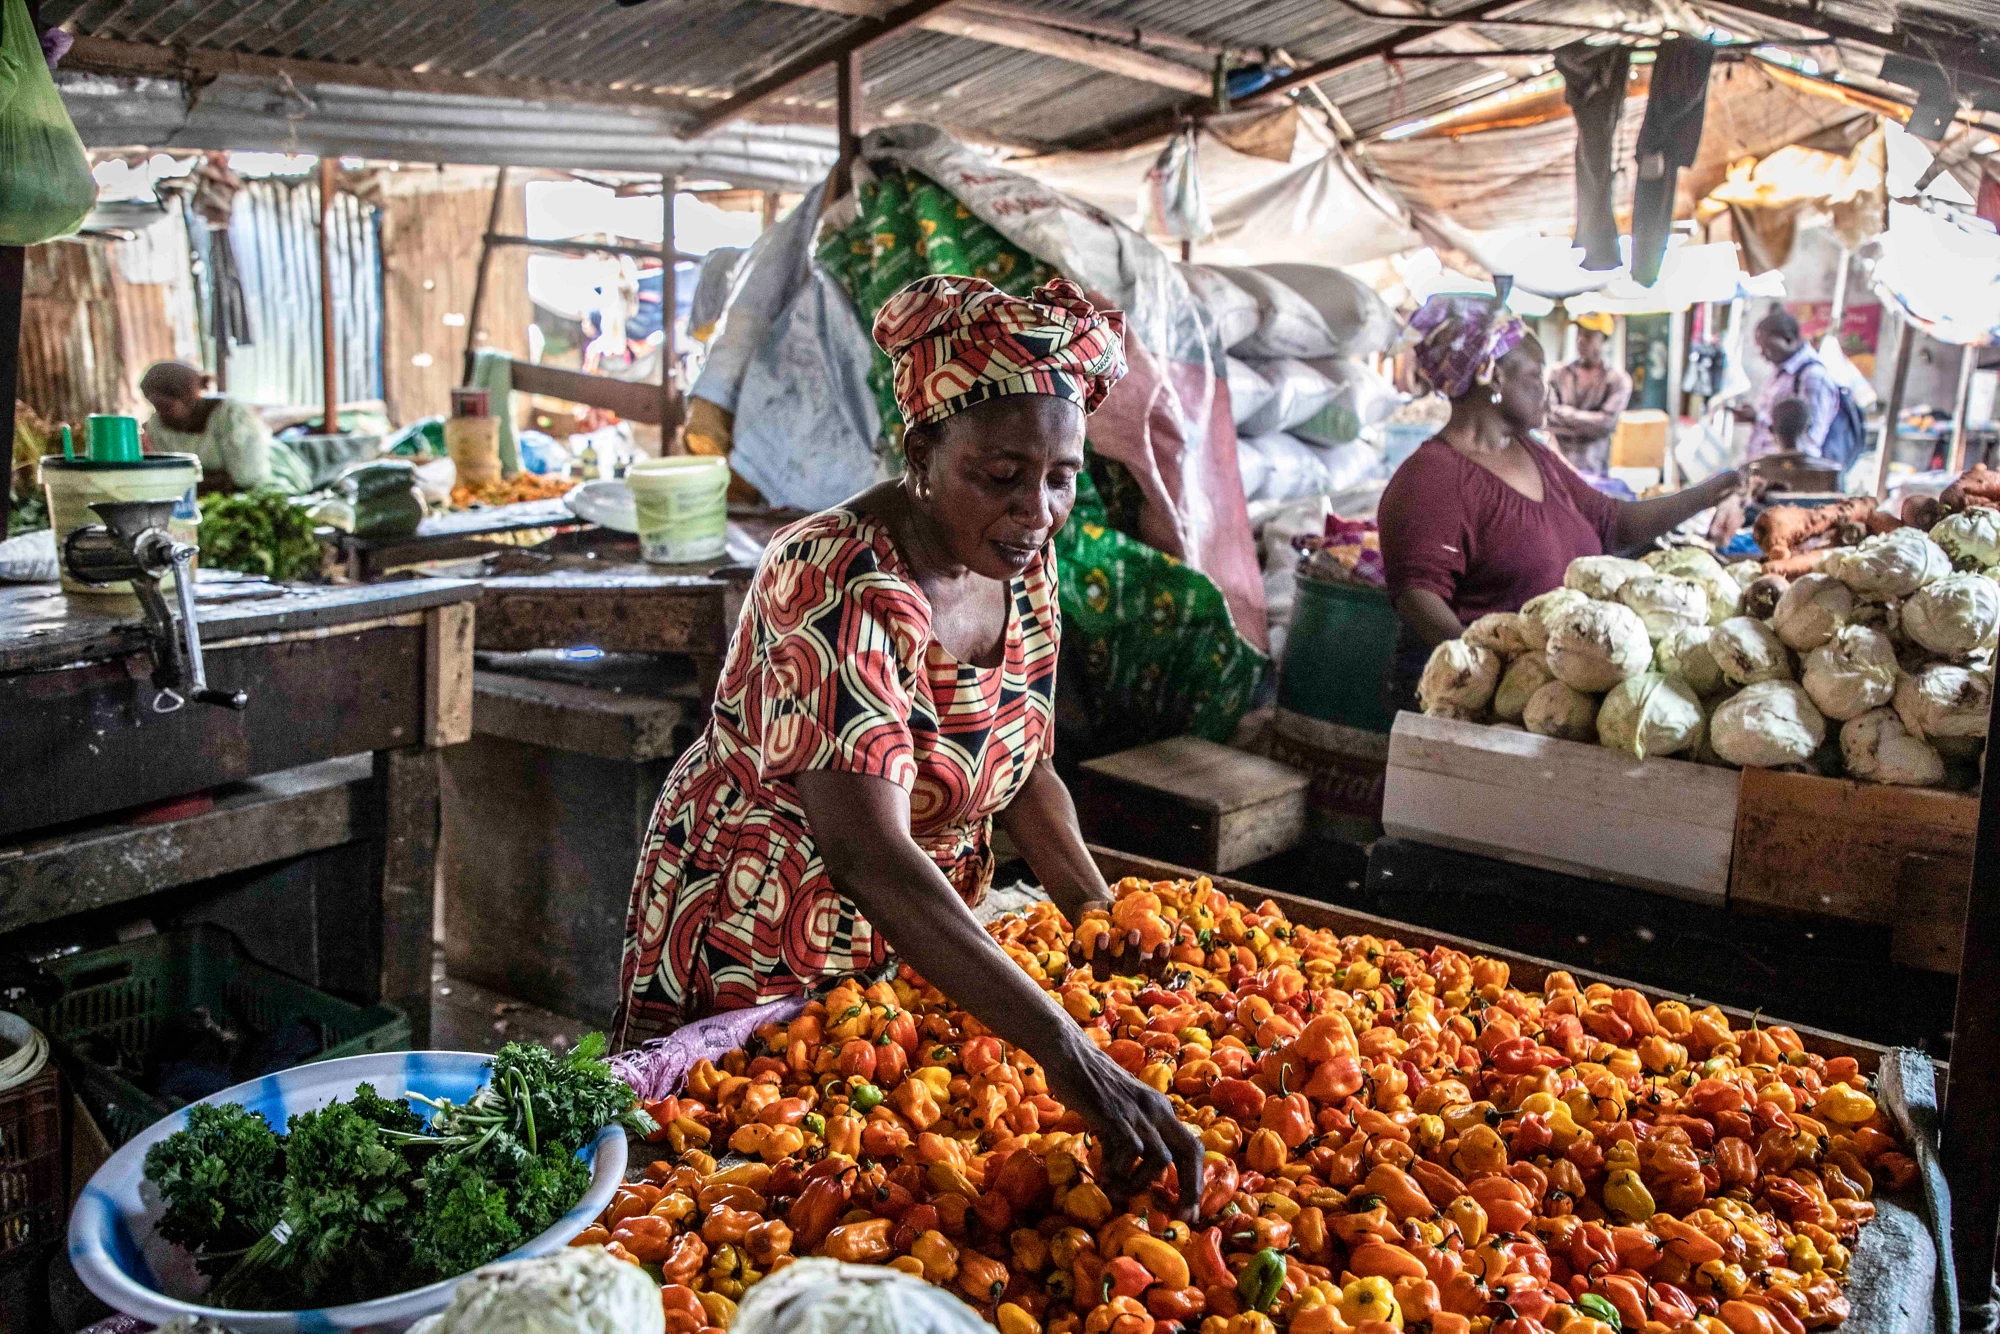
{"x":1127,"y":1277}
{"x":1024,"y":1180}
{"x":857,"y":1060}
{"x":1291,"y":1117}
{"x":902,"y":1031}
{"x":1183,"y":1304}
{"x":1516,"y":1056}
{"x":1205,"y":1260}
{"x":1218,"y":1185}
{"x":816,"y":1210}
{"x":1238,"y":1099}
{"x":979,"y":1055}
{"x":1532,"y":1136}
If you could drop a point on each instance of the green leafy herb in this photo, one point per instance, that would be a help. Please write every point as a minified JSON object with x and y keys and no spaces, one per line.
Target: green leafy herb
{"x":222,"y":1179}
{"x":258,"y":532}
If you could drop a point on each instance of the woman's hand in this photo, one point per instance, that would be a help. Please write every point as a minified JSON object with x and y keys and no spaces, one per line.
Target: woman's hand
{"x":1109,"y":953}
{"x":1134,"y":1124}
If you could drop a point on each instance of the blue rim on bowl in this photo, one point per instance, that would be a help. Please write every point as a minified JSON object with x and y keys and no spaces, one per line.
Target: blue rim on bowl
{"x":119,"y":1258}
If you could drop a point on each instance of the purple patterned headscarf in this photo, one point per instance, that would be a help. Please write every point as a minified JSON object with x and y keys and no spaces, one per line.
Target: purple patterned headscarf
{"x":1460,"y":339}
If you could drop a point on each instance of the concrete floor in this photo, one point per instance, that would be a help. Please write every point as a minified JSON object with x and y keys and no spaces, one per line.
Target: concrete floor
{"x":468,"y":1017}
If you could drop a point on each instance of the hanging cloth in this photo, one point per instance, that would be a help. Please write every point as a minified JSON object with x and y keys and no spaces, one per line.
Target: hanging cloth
{"x":1594,"y":86}
{"x":1669,"y":138}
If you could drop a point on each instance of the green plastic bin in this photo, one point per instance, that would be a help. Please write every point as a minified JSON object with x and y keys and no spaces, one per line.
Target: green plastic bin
{"x":1342,"y":640}
{"x":125,"y":991}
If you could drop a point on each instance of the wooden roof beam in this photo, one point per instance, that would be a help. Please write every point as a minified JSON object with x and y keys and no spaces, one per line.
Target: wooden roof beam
{"x":860,"y":34}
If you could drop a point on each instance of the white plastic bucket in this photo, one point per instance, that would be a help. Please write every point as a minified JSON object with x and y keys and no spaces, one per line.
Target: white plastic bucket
{"x":74,"y":485}
{"x":683,"y":507}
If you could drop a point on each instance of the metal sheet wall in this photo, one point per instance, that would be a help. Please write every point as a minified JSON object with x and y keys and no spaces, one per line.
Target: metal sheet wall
{"x":274,"y":232}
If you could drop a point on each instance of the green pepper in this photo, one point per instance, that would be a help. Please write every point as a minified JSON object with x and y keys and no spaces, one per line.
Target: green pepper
{"x":1599,"y":1308}
{"x":1260,"y":1280}
{"x":813,"y":1123}
{"x":862,"y":1097}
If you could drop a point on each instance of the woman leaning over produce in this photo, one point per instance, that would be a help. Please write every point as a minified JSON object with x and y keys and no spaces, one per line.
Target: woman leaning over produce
{"x":1483,"y":516}
{"x":888,"y":694}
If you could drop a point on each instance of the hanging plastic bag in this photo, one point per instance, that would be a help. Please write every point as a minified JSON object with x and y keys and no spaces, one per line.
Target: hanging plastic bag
{"x":46,"y":189}
{"x":1171,"y":201}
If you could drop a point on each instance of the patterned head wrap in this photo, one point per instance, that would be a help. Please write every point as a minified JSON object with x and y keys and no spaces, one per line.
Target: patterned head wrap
{"x":1460,"y":339}
{"x":958,"y":341}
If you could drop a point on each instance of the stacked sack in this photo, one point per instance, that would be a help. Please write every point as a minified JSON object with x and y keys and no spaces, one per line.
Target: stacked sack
{"x":1878,"y":666}
{"x":1298,"y":392}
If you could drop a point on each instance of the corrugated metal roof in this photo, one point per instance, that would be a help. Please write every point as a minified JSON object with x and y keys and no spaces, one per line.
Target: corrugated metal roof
{"x":700,"y":50}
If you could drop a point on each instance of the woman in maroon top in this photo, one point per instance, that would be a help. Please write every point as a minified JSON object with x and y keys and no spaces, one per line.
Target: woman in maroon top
{"x":1482,"y":517}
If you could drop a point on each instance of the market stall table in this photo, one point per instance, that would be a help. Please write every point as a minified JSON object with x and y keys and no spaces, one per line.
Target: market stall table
{"x":331,"y":674}
{"x":448,"y":537}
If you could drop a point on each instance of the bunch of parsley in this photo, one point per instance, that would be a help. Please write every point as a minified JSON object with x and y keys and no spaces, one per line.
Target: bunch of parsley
{"x":363,"y":1198}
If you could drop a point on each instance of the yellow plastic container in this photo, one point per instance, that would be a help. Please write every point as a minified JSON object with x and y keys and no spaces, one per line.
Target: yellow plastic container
{"x":683,"y":507}
{"x":74,"y":485}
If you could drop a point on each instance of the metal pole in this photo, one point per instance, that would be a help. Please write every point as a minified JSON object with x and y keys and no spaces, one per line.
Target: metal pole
{"x":478,"y":311}
{"x":1904,"y":343}
{"x":669,"y":298}
{"x":330,"y":380}
{"x":848,"y":91}
{"x":13,"y":263}
{"x":1970,"y":1152}
{"x":1968,"y":359}
{"x":1677,"y":351}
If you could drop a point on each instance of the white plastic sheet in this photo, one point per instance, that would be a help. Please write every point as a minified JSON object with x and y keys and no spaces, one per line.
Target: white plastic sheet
{"x":821,"y":1296}
{"x":1298,"y":393}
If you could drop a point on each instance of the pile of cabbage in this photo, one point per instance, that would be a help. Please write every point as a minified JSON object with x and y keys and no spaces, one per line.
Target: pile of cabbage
{"x":1879,"y":666}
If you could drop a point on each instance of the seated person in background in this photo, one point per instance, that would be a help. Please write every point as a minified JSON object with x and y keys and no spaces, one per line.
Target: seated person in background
{"x":236,"y":449}
{"x":1791,"y":418}
{"x":1586,"y":398}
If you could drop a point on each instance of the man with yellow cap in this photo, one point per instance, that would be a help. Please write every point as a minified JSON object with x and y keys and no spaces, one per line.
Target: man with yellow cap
{"x":1586,"y":397}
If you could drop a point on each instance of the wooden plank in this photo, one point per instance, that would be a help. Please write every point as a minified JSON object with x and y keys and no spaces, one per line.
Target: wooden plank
{"x":1201,"y":774}
{"x":448,"y":636}
{"x":585,"y":720}
{"x":406,"y":790}
{"x":1786,"y":860}
{"x":1657,"y":824}
{"x":85,"y":741}
{"x":630,"y":399}
{"x":1524,"y":969}
{"x":42,"y":629}
{"x":617,"y":613}
{"x":1930,"y":913}
{"x":1213,"y":807}
{"x":274,"y":818}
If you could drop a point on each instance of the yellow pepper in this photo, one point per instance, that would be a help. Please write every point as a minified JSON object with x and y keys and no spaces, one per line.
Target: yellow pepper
{"x":1162,"y":1261}
{"x":1158,"y":1076}
{"x":938,"y":1256}
{"x":1804,"y":1256}
{"x":1370,"y":1299}
{"x":908,"y":1264}
{"x":938,"y":1078}
{"x":1469,"y":1217}
{"x":1724,"y":1280}
{"x":1088,"y":1204}
{"x":1429,"y":1131}
{"x":721,"y":1311}
{"x":1013,"y":1319}
{"x":1844,"y":1106}
{"x":1626,"y":1197}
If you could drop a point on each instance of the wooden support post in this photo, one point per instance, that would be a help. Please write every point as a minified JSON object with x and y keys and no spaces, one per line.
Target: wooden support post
{"x":13,"y":263}
{"x":478,"y":312}
{"x":770,"y":209}
{"x":847,"y":87}
{"x":329,"y":367}
{"x":218,"y":237}
{"x":1968,"y":361}
{"x":1839,"y":313}
{"x":670,"y":439}
{"x":1905,"y":341}
{"x":1970,"y":1152}
{"x":1677,"y":355}
{"x":406,"y":788}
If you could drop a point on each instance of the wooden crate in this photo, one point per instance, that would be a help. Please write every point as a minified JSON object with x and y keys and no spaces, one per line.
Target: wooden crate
{"x":1662,"y":825}
{"x":1346,"y":766}
{"x":1832,"y":847}
{"x":1215,"y":808}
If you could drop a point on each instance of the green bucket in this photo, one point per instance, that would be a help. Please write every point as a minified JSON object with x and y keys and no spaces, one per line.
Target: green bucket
{"x":1341,"y":643}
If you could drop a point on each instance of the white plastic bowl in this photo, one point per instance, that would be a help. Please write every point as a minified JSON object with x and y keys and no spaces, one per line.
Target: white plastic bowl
{"x":119,"y":1256}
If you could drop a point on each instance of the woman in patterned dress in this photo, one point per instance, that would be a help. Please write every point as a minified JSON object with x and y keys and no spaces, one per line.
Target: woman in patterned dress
{"x":889,"y":693}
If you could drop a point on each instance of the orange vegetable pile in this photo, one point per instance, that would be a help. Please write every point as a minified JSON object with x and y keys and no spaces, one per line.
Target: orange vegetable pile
{"x":512,"y":491}
{"x":1395,"y":1139}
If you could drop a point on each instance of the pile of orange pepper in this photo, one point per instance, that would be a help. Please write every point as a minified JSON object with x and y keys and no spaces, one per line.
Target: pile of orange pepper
{"x":1395,"y":1139}
{"x":511,"y":491}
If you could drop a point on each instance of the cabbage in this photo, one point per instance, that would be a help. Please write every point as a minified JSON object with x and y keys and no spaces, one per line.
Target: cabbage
{"x":1745,"y":573}
{"x":1944,"y":701}
{"x":1458,"y":680}
{"x":1665,"y":602}
{"x":1685,"y":655}
{"x":1765,"y":725}
{"x":1601,"y":576}
{"x":1525,"y":675}
{"x":1889,"y":565}
{"x":1595,"y":646}
{"x":1747,"y":652}
{"x":1876,"y":747}
{"x":1562,"y":711}
{"x":1811,"y":610}
{"x":577,"y":1290}
{"x":1954,"y":615}
{"x":1761,"y":596}
{"x":1725,"y":595}
{"x":1851,"y":673}
{"x":1539,"y":611}
{"x":1971,"y":538}
{"x":1499,"y":631}
{"x":1649,"y":714}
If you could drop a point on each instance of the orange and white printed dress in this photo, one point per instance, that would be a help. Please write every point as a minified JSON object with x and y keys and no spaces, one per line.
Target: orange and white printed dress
{"x":833,"y":666}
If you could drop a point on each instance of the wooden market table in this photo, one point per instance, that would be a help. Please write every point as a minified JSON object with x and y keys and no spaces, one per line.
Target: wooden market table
{"x":352,"y":693}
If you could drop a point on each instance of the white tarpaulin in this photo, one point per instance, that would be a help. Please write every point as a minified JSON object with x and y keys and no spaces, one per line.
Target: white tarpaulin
{"x":1943,"y":270}
{"x":1313,"y":208}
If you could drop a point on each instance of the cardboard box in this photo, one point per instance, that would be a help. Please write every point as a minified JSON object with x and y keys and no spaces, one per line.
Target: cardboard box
{"x":1640,"y":440}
